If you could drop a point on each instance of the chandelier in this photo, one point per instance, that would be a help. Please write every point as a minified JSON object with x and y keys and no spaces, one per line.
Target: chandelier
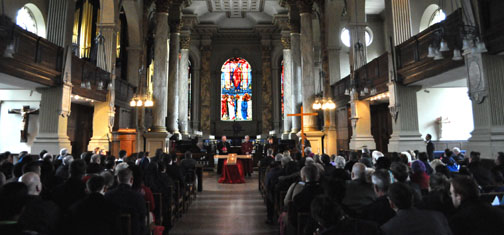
{"x":141,"y":100}
{"x":323,"y":103}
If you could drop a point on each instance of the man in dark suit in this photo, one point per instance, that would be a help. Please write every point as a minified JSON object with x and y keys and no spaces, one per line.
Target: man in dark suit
{"x":246,"y":148}
{"x":358,"y":193}
{"x":128,"y":201}
{"x":223,"y":147}
{"x":472,"y":216}
{"x":39,"y":215}
{"x":94,"y":214}
{"x":430,"y":147}
{"x":73,"y":189}
{"x":407,"y":220}
{"x":379,"y":211}
{"x":482,"y":175}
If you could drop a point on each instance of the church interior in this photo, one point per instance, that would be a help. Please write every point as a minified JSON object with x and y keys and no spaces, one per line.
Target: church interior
{"x":212,"y":111}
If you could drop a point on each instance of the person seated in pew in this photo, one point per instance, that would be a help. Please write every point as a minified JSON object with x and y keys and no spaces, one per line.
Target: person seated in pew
{"x":188,"y":167}
{"x":129,"y":201}
{"x":471,"y":215}
{"x":379,"y":211}
{"x":409,"y":220}
{"x":332,"y":219}
{"x":94,"y":214}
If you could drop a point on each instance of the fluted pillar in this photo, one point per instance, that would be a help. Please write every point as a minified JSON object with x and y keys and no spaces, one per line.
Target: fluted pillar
{"x":183,"y":90}
{"x":404,"y":111}
{"x":297,"y":97}
{"x":288,"y":107}
{"x":157,"y":137}
{"x":308,"y":91}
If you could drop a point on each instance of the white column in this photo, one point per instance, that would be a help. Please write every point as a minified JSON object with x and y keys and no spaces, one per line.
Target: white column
{"x":288,"y":107}
{"x":173,"y":79}
{"x":297,"y":98}
{"x":308,"y":81}
{"x":183,"y":85}
{"x":157,"y":137}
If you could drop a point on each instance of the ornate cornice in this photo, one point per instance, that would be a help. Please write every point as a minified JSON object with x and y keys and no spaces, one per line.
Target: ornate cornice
{"x":189,"y":21}
{"x":281,"y":21}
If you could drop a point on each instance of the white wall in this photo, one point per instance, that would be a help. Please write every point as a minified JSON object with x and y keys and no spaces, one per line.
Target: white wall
{"x":10,"y":124}
{"x":452,"y":103}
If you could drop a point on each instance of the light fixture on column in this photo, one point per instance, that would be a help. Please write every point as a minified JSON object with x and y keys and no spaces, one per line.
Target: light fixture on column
{"x":317,"y":105}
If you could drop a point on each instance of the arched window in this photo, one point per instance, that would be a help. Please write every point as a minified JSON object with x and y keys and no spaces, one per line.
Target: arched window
{"x":345,"y":36}
{"x":30,"y":18}
{"x":236,"y":90}
{"x":437,"y":17}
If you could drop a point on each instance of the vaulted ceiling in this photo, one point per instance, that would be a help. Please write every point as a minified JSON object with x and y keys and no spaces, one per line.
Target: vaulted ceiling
{"x":245,"y":14}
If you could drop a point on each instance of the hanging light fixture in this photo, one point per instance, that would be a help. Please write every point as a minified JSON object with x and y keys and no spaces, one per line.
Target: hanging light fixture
{"x":431,"y":53}
{"x":141,"y":100}
{"x":438,"y":55}
{"x":317,"y":105}
{"x":443,"y":46}
{"x":456,"y":55}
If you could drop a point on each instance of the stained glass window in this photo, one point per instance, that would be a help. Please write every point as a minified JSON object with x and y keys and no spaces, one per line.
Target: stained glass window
{"x":282,"y":89}
{"x":236,"y":90}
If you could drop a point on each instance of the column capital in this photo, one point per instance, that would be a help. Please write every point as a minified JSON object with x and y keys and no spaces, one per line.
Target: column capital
{"x":185,"y":41}
{"x":286,"y":43}
{"x":163,"y":6}
{"x":305,"y":6}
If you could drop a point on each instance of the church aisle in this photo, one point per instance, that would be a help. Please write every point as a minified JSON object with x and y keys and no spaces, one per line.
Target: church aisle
{"x":226,"y":209}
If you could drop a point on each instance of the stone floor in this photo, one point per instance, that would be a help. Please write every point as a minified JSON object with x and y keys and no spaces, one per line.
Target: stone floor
{"x":226,"y":209}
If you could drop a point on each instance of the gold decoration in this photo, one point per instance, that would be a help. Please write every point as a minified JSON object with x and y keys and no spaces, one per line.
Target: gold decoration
{"x":185,"y":42}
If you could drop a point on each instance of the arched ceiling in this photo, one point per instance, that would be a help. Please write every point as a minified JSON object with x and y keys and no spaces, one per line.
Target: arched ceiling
{"x":235,"y":14}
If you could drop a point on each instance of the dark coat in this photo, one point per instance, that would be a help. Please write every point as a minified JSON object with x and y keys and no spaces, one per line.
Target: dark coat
{"x":358,"y":194}
{"x":408,"y":222}
{"x":69,"y":192}
{"x":40,"y":215}
{"x":482,"y":176}
{"x":430,"y":150}
{"x":437,"y":201}
{"x":94,"y":215}
{"x":132,"y":203}
{"x":379,"y":211}
{"x":475,"y":218}
{"x":221,"y":145}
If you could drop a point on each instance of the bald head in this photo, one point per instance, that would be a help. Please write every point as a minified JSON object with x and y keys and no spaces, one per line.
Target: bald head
{"x":32,"y":182}
{"x":358,"y":171}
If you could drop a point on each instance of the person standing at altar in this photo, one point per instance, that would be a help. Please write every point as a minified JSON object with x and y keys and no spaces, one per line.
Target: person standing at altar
{"x":246,"y":149}
{"x":223,"y":148}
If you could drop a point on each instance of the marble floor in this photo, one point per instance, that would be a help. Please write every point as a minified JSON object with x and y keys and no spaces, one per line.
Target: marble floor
{"x":226,"y":209}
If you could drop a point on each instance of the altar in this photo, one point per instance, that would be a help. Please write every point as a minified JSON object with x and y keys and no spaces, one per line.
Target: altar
{"x":234,"y":168}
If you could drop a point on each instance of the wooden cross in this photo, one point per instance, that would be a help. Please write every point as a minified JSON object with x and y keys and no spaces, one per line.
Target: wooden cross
{"x":303,"y":137}
{"x":25,"y":114}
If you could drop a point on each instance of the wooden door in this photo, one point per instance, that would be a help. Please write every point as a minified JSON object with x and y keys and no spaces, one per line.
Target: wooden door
{"x":381,"y":126}
{"x":80,"y":128}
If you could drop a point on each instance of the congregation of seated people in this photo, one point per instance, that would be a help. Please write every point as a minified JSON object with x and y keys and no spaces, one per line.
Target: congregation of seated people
{"x":92,"y":194}
{"x":368,"y":192}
